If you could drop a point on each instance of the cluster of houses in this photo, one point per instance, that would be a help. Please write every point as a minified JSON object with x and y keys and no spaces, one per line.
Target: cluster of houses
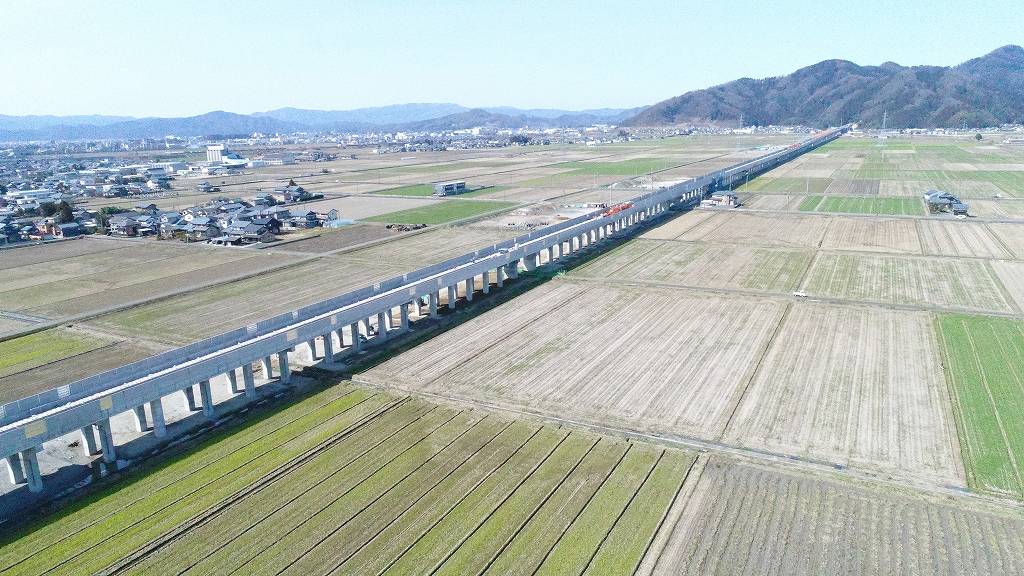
{"x":226,"y":222}
{"x":939,"y":202}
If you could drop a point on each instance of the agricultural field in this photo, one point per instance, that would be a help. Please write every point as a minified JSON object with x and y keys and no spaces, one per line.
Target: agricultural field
{"x":678,"y":225}
{"x":954,"y":238}
{"x":427,"y":190}
{"x":983,"y":357}
{"x":130,"y":272}
{"x":780,"y":202}
{"x":1011,"y":236}
{"x":58,"y":362}
{"x":419,"y":249}
{"x":921,"y":281}
{"x":367,"y":206}
{"x":1000,"y":209}
{"x":1011,"y":274}
{"x":872,"y":235}
{"x":794,"y":230}
{"x":580,"y":361}
{"x":863,"y":205}
{"x":391,"y":486}
{"x":53,"y":251}
{"x":701,"y":265}
{"x":853,"y":386}
{"x":784,"y":185}
{"x":32,"y":350}
{"x":752,"y":519}
{"x":410,"y":190}
{"x":442,"y":212}
{"x":202,"y":313}
{"x":332,"y":239}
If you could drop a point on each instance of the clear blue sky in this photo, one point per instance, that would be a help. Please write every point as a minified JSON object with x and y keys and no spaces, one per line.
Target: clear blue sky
{"x":174,"y":57}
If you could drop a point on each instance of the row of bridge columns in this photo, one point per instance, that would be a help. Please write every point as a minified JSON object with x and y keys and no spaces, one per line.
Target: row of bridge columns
{"x":97,"y":438}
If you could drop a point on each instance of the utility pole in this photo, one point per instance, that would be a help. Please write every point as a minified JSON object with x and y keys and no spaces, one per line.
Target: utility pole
{"x":885,"y":119}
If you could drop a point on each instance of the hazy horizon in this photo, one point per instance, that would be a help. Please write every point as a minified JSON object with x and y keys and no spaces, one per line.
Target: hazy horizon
{"x":189,"y":58}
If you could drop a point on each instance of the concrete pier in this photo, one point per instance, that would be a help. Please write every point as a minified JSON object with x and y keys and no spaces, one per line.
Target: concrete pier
{"x":432,"y":304}
{"x":453,"y":294}
{"x":486,"y":282}
{"x":328,"y":349}
{"x":31,"y":468}
{"x":382,"y":325}
{"x":357,"y":344}
{"x":403,"y":317}
{"x":499,"y":276}
{"x":207,"y":396}
{"x":15,"y":470}
{"x":190,"y":398}
{"x":156,"y":409}
{"x":233,"y":379}
{"x":141,"y":421}
{"x":470,"y":288}
{"x":106,"y":441}
{"x":248,"y":381}
{"x":268,"y":369}
{"x":286,"y":371}
{"x":89,"y":444}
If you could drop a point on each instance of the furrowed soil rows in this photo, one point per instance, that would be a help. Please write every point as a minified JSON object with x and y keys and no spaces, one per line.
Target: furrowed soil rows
{"x":250,"y":525}
{"x":1011,"y":274}
{"x":225,"y":453}
{"x":933,"y":282}
{"x":446,"y":535}
{"x":626,"y":544}
{"x":854,"y":386}
{"x":772,"y":201}
{"x":584,"y":360}
{"x":870,"y":235}
{"x":336,"y":510}
{"x":677,"y":226}
{"x":53,"y":252}
{"x":224,"y":307}
{"x":1012,"y":235}
{"x":985,"y":356}
{"x":944,"y":238}
{"x":388,"y":544}
{"x":575,"y":549}
{"x":745,"y":519}
{"x":702,"y":265}
{"x":773,"y":229}
{"x":539,"y":535}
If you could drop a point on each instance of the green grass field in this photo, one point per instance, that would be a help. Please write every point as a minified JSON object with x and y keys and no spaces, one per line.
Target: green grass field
{"x":396,"y":486}
{"x":786,"y":185}
{"x":25,"y":352}
{"x":441,"y":212}
{"x":427,"y":190}
{"x":984,"y":356}
{"x":412,"y":190}
{"x":636,"y":167}
{"x":863,"y":205}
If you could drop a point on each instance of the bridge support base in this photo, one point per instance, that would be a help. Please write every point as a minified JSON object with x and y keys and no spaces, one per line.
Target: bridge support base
{"x":15,"y":470}
{"x":106,"y":441}
{"x":286,"y":371}
{"x":32,"y":475}
{"x":156,"y":409}
{"x":89,"y":444}
{"x":248,"y":381}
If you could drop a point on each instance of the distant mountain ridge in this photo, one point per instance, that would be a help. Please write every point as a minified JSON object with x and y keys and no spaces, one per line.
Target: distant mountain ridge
{"x":408,"y":117}
{"x":985,"y":91}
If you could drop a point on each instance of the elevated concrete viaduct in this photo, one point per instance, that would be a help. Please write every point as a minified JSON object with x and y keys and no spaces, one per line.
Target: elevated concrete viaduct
{"x":339,"y":326}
